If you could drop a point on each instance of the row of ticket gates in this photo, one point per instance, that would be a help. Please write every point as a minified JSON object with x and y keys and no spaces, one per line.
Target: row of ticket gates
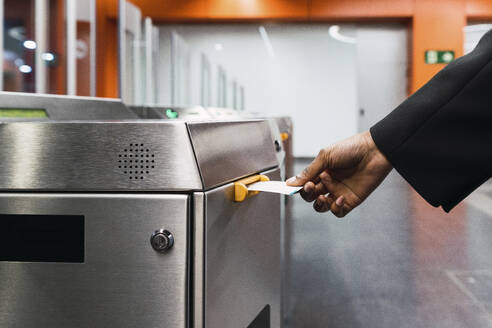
{"x":281,"y":125}
{"x":117,"y":216}
{"x":19,"y":106}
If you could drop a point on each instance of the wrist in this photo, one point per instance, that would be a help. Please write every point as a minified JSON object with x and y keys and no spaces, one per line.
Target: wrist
{"x":374,"y":153}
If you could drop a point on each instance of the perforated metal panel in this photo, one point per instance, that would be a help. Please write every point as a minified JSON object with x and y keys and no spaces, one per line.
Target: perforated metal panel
{"x":137,"y":161}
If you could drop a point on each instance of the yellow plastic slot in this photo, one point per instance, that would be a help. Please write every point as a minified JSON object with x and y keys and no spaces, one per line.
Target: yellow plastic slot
{"x":284,"y":136}
{"x":241,"y":187}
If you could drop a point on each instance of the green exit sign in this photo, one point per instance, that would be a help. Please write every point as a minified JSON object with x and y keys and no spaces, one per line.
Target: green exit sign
{"x":439,"y":56}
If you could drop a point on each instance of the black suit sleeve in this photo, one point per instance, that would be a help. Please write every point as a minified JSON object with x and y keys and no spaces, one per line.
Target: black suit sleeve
{"x":440,"y":138}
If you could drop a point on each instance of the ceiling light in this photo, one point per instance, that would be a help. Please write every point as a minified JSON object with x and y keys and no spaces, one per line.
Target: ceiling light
{"x":219,"y":47}
{"x":334,"y":32}
{"x":29,"y":44}
{"x":25,"y":69}
{"x":48,"y":56}
{"x":266,"y":41}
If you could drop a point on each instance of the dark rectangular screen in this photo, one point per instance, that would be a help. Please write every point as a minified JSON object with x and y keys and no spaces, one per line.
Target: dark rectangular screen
{"x":262,"y":320}
{"x":42,"y":238}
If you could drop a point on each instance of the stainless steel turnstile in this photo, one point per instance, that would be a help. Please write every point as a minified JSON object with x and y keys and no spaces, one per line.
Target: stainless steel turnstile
{"x":134,"y":224}
{"x":280,"y":126}
{"x":15,"y":106}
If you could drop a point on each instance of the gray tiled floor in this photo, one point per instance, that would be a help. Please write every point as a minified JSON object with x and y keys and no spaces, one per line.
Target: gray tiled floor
{"x":393,"y":262}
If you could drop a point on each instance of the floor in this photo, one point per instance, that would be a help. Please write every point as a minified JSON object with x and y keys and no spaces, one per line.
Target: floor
{"x":393,"y":262}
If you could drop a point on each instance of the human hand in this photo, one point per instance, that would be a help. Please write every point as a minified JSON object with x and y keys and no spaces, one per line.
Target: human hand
{"x":344,"y":175}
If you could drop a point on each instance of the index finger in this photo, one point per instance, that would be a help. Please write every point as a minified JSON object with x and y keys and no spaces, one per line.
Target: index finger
{"x":311,"y":172}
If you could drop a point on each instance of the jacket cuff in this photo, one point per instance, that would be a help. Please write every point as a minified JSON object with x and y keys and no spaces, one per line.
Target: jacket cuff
{"x":385,"y":144}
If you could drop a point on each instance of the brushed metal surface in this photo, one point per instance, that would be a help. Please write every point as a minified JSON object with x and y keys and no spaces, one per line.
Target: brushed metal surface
{"x":84,"y":155}
{"x":279,"y":124}
{"x":226,"y":151}
{"x":123,"y":283}
{"x":243,"y":257}
{"x":68,"y":107}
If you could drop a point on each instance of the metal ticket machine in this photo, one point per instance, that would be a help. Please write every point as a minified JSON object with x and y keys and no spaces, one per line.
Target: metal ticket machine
{"x":136,"y":223}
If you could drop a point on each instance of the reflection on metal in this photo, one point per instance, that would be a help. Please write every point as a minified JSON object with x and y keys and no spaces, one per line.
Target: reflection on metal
{"x":92,"y":47}
{"x":71,"y":15}
{"x":40,"y":33}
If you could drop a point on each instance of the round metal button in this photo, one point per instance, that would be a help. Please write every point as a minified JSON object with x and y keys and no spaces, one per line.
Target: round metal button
{"x":161,"y":240}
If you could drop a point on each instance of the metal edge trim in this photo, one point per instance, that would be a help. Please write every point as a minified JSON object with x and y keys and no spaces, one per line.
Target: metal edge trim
{"x":198,"y":290}
{"x":194,"y":154}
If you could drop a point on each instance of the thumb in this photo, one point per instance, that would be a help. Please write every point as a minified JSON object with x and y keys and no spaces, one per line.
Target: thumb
{"x":318,"y":165}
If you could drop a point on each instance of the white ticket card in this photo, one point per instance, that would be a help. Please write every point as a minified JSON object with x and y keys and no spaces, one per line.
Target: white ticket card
{"x":279,"y":187}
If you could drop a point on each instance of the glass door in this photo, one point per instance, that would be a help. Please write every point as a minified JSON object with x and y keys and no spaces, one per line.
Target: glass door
{"x":130,"y":53}
{"x":48,"y":46}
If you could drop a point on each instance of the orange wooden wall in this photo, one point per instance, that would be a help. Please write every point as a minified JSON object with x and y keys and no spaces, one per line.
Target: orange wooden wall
{"x":435,"y":28}
{"x":434,"y":24}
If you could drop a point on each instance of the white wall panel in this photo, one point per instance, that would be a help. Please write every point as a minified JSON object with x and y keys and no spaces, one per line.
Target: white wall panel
{"x":310,"y":76}
{"x":382,"y":68}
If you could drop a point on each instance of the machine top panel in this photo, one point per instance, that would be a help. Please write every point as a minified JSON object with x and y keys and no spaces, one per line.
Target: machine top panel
{"x":131,"y":155}
{"x":25,"y":106}
{"x":229,"y":150}
{"x":97,"y":155}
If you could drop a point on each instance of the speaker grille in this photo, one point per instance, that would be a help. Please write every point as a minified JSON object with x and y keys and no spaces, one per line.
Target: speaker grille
{"x":136,"y":162}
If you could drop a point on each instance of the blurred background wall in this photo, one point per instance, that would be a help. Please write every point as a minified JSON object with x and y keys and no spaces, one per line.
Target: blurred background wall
{"x":334,"y":66}
{"x":295,"y":70}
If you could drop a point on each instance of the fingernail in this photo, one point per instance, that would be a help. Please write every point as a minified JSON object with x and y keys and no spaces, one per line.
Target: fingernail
{"x":291,"y":180}
{"x":339,"y":201}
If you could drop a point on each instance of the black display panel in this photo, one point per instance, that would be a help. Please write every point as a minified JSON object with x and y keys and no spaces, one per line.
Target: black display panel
{"x":42,"y":238}
{"x":262,"y":320}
